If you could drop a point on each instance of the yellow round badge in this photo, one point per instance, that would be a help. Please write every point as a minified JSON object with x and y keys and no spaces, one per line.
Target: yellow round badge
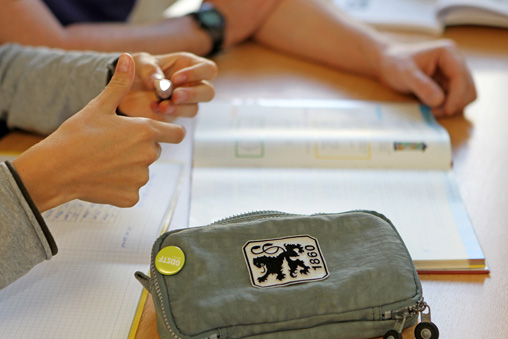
{"x":169,"y":260}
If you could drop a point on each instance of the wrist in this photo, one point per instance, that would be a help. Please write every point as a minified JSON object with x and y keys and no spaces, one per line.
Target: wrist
{"x":378,"y":55}
{"x":41,"y":179}
{"x":197,"y":41}
{"x":35,"y":211}
{"x":211,"y":21}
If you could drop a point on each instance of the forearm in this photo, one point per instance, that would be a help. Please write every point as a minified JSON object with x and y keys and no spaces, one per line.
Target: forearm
{"x":30,"y":22}
{"x":41,"y":88}
{"x":318,"y":31}
{"x":166,"y":36}
{"x":24,"y":238}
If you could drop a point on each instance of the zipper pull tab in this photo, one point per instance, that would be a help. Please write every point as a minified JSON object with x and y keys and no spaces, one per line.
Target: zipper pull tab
{"x":143,"y":279}
{"x":426,"y":329}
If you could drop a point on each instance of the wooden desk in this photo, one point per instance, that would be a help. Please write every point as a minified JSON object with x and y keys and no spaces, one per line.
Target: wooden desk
{"x":463,"y":306}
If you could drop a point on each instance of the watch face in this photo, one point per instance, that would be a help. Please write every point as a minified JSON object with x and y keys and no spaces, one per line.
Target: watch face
{"x":211,"y":18}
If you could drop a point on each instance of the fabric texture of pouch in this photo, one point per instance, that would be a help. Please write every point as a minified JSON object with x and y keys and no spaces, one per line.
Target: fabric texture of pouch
{"x":270,"y":274}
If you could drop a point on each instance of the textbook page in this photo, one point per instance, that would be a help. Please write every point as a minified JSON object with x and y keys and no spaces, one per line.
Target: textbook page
{"x":409,"y":15}
{"x":88,"y":289}
{"x":426,"y":16}
{"x":423,"y":203}
{"x":425,"y":206}
{"x":473,"y":12}
{"x":320,"y":134}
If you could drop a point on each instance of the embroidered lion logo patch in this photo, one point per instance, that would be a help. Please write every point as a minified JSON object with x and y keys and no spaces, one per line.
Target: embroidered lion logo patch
{"x":284,"y":261}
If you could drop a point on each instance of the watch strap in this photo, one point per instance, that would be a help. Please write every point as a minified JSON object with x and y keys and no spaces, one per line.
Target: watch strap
{"x":215,"y":28}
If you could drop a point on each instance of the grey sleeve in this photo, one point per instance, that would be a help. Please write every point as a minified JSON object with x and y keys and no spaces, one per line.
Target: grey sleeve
{"x":40,"y":88}
{"x":25,"y":239}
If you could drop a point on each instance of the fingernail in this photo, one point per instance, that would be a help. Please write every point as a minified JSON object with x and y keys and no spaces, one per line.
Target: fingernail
{"x":167,"y":107}
{"x":123,"y":63}
{"x":180,"y":79}
{"x":157,"y":76}
{"x":180,"y":96}
{"x":437,"y":98}
{"x":170,"y":110}
{"x":154,"y":106}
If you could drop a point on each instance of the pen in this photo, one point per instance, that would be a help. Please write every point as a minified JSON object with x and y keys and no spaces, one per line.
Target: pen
{"x":163,"y":88}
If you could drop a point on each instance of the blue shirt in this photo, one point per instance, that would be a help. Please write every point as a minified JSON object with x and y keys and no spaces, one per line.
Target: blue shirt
{"x":74,"y":11}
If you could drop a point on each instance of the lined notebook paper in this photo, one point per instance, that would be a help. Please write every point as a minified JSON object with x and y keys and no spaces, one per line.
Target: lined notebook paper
{"x":88,"y":289}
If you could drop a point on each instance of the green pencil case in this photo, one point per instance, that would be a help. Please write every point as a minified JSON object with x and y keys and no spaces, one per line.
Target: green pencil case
{"x":271,"y":274}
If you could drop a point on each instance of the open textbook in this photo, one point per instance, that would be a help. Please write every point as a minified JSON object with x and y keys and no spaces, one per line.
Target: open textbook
{"x":88,"y":289}
{"x":332,"y":156}
{"x":428,"y":16}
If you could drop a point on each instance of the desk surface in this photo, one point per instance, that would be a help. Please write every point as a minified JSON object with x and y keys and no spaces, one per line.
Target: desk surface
{"x":463,"y":306}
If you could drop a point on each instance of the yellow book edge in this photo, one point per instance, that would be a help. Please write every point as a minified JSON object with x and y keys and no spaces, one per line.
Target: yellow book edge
{"x":144,"y":295}
{"x":137,"y":316}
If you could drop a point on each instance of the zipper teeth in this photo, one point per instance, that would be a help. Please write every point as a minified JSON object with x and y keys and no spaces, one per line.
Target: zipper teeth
{"x":256,"y":215}
{"x":412,"y":310}
{"x":250,"y":215}
{"x":159,"y":295}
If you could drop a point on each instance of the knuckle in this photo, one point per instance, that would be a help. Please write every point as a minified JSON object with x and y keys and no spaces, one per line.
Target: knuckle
{"x":143,"y":179}
{"x":139,"y":56}
{"x":120,"y":80}
{"x":130,"y":199}
{"x":187,"y":59}
{"x":145,"y":55}
{"x":148,"y":59}
{"x":189,"y":56}
{"x":149,"y":157}
{"x":148,"y":68}
{"x":144,"y":129}
{"x":144,"y":158}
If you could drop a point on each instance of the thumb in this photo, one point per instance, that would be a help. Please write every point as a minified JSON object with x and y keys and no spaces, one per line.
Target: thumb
{"x":118,"y":86}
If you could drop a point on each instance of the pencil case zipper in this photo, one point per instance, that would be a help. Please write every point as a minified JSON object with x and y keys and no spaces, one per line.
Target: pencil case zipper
{"x":254,"y":215}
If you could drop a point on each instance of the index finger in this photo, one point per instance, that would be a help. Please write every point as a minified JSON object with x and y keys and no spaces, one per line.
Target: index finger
{"x":206,"y":70}
{"x":461,"y":90}
{"x":167,"y":132}
{"x":147,"y":69}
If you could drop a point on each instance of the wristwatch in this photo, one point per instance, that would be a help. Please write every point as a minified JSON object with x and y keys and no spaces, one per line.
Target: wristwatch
{"x":212,"y":21}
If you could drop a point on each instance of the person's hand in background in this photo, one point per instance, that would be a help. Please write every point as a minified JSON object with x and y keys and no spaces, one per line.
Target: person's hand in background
{"x":434,"y":71}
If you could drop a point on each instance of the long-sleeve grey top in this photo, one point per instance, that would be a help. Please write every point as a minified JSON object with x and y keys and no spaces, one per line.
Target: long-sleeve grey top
{"x":39,"y":89}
